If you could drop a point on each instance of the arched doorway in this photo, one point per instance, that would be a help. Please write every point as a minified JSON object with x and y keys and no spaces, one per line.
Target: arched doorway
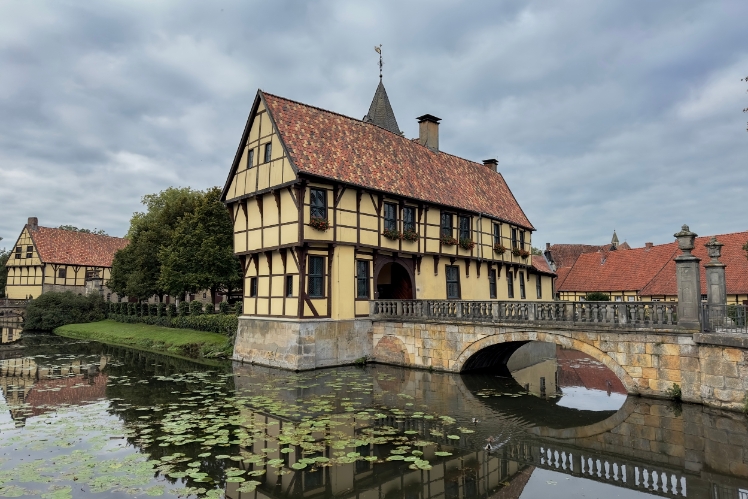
{"x":393,"y":282}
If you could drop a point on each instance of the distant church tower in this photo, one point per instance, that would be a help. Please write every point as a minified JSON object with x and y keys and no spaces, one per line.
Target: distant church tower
{"x":380,"y":111}
{"x":614,"y":241}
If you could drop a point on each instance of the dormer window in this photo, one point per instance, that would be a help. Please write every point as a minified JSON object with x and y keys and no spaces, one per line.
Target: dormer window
{"x":268,"y":152}
{"x":390,"y":216}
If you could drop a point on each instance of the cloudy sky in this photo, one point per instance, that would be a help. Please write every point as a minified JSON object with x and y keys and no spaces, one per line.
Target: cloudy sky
{"x":610,"y":115}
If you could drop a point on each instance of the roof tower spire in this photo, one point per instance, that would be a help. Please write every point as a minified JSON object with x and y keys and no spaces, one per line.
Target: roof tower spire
{"x":380,"y":111}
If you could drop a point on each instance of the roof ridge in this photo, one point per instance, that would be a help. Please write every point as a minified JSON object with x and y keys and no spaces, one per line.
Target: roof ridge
{"x":654,"y":276}
{"x":79,"y":232}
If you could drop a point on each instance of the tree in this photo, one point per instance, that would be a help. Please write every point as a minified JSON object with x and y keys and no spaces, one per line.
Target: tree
{"x":137,"y":267}
{"x":98,"y":232}
{"x":4,"y":255}
{"x":596,"y":296}
{"x":535,"y":251}
{"x":201,"y":251}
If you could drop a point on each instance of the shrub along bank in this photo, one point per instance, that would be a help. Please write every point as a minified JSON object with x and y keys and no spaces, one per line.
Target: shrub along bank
{"x":181,"y":342}
{"x":187,"y":316}
{"x":51,"y":310}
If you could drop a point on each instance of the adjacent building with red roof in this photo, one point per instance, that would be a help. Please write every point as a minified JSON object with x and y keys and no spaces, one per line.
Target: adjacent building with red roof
{"x":648,"y":273}
{"x":46,"y":259}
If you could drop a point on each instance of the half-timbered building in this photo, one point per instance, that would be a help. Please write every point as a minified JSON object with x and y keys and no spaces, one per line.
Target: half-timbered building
{"x":46,"y":259}
{"x":331,"y":212}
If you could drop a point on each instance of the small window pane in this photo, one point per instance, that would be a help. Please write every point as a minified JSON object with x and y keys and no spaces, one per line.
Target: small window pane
{"x":318,"y":203}
{"x":362,"y":279}
{"x":492,"y":283}
{"x":538,"y":287}
{"x":453,"y":282}
{"x":510,"y":284}
{"x":409,"y":218}
{"x":268,"y":152}
{"x":289,"y":285}
{"x":18,"y":252}
{"x":465,"y":228}
{"x":496,"y":234}
{"x":522,"y":285}
{"x":251,"y":158}
{"x":390,"y":216}
{"x":446,"y":224}
{"x":62,"y":273}
{"x":522,"y":239}
{"x":514,"y":238}
{"x":252,"y":287}
{"x":316,"y":276}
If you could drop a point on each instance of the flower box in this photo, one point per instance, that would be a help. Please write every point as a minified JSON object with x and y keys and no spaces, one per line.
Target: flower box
{"x":392,"y":234}
{"x":319,"y":223}
{"x":467,"y":244}
{"x":516,"y":251}
{"x":410,"y":235}
{"x":499,"y":248}
{"x":448,"y":240}
{"x":524,"y":254}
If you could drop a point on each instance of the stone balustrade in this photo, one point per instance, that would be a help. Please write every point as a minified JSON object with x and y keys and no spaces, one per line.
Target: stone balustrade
{"x":612,"y":314}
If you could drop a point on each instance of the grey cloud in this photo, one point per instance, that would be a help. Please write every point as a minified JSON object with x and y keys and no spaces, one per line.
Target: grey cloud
{"x":625,"y":115}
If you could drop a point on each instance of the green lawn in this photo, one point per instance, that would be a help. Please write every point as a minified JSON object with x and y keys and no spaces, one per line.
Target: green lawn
{"x":181,"y":342}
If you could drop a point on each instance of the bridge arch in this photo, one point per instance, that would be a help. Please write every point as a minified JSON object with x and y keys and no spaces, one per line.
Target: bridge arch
{"x":517,"y":339}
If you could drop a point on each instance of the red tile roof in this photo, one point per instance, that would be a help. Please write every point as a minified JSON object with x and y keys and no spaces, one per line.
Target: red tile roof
{"x":75,"y":248}
{"x":651,"y":271}
{"x":337,"y":147}
{"x":628,"y":270}
{"x":561,"y":274}
{"x":539,"y":263}
{"x":564,"y":255}
{"x":733,"y":255}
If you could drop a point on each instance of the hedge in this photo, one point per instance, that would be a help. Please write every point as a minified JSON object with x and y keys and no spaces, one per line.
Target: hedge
{"x":51,"y":310}
{"x":186,"y":316}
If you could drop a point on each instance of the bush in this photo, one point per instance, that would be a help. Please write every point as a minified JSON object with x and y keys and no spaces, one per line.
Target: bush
{"x":161,"y":310}
{"x":171,"y":310}
{"x":239,"y":307}
{"x":196,"y":308}
{"x":597,"y":296}
{"x":209,"y":308}
{"x":224,"y":307}
{"x":215,"y":323}
{"x":144,"y":309}
{"x":184,"y":308}
{"x":674,"y":392}
{"x":53,"y":310}
{"x":153,"y":309}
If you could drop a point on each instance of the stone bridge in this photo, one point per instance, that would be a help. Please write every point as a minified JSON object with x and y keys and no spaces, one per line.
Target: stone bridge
{"x":11,"y":308}
{"x":641,"y":342}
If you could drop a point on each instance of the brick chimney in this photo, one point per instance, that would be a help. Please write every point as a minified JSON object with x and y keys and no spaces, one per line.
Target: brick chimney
{"x":428,"y":131}
{"x":33,"y":223}
{"x":493,"y":164}
{"x":648,"y":245}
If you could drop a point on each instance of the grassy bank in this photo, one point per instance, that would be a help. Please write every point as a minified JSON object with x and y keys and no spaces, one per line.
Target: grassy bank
{"x":172,"y":341}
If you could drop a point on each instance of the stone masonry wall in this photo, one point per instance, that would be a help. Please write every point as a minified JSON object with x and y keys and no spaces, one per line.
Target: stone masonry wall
{"x":647,"y":363}
{"x":301,"y":345}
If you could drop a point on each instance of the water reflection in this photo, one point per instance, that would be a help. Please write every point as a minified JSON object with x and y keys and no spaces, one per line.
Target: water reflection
{"x":10,"y":329}
{"x":106,"y":419}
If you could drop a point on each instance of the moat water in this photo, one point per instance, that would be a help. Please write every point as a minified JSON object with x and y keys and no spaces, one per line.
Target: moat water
{"x":83,"y":419}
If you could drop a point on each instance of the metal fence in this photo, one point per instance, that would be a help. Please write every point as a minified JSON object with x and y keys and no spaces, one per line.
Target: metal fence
{"x":724,"y":318}
{"x":626,"y":314}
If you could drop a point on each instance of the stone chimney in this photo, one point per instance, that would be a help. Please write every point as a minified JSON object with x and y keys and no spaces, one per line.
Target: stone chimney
{"x":648,"y":245}
{"x":548,"y":246}
{"x":33,"y":223}
{"x":493,"y":164}
{"x":428,"y":131}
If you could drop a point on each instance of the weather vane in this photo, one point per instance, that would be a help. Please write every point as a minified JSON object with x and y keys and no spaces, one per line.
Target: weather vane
{"x":379,"y":51}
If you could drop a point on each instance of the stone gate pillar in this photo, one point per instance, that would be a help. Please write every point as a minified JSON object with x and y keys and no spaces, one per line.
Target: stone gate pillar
{"x":689,"y":282}
{"x":716,"y":289}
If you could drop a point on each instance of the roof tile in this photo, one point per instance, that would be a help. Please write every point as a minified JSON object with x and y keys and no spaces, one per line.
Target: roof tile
{"x":76,"y":248}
